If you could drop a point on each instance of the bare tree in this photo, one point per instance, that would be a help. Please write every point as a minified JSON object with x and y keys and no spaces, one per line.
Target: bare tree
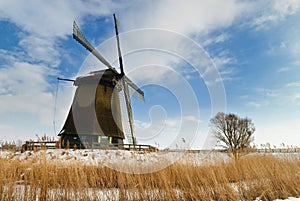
{"x":233,"y":132}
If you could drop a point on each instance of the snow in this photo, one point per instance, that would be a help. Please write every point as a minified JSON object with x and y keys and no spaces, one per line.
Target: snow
{"x":121,"y":160}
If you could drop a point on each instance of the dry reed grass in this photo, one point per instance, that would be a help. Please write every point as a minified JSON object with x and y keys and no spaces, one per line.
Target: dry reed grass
{"x":265,"y":176}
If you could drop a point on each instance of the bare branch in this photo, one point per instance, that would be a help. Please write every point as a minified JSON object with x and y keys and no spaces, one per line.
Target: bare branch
{"x":234,"y":132}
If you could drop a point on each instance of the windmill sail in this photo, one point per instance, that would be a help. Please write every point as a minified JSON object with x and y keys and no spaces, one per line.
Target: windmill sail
{"x":78,"y":36}
{"x":118,"y":45}
{"x":134,"y":90}
{"x":125,"y":86}
{"x":125,"y":119}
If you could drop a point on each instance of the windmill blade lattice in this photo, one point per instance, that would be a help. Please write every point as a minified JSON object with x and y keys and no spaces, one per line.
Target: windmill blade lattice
{"x":78,"y":36}
{"x":125,"y":119}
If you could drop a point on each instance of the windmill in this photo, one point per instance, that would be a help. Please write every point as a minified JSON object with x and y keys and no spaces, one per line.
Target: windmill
{"x":95,"y":115}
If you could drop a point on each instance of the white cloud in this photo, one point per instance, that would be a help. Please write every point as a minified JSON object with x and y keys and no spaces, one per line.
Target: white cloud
{"x":286,"y":7}
{"x":214,"y":40}
{"x":266,"y":92}
{"x":24,"y":78}
{"x":256,"y":104}
{"x":293,"y":84}
{"x":223,"y":60}
{"x":285,"y":69}
{"x":51,"y":19}
{"x":24,"y":88}
{"x":184,"y":17}
{"x":280,"y":18}
{"x":191,"y":118}
{"x":262,"y":98}
{"x":41,"y":50}
{"x":286,"y":96}
{"x":43,"y":24}
{"x":270,"y":12}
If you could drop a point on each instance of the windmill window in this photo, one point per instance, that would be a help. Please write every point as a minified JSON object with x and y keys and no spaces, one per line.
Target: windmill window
{"x":104,"y":139}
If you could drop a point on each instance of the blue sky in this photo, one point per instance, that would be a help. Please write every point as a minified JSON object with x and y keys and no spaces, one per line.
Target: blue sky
{"x":247,"y":62}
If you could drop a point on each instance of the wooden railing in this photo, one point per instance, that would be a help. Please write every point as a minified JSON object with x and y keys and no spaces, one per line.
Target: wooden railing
{"x":138,"y":147}
{"x":33,"y":146}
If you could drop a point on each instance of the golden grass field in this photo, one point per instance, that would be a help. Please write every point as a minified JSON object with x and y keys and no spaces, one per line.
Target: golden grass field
{"x":262,"y":176}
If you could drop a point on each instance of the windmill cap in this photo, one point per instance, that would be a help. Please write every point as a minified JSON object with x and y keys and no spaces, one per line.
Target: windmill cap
{"x":97,"y":77}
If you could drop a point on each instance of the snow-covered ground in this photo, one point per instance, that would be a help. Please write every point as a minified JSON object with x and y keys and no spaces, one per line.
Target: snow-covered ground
{"x":125,"y":161}
{"x":121,"y":160}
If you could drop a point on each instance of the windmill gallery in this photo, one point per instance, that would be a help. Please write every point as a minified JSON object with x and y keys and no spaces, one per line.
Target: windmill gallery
{"x":94,"y":119}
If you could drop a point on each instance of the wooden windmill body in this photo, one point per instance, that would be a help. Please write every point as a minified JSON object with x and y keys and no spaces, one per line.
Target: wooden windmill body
{"x":95,"y":118}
